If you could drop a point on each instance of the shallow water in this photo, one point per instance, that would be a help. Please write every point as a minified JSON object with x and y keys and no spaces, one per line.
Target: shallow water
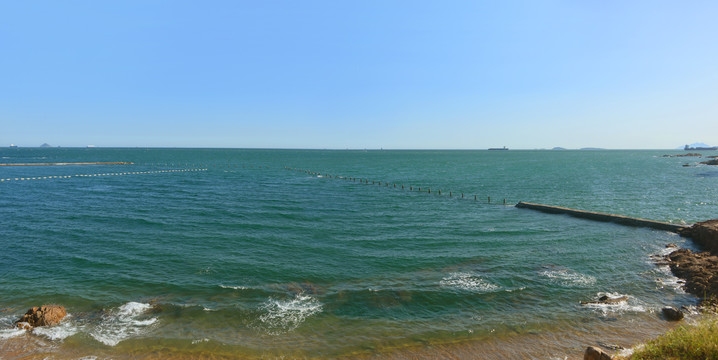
{"x":239,"y":253}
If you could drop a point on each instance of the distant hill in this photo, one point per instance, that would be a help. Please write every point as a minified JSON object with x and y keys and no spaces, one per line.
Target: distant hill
{"x":45,"y":145}
{"x":558,"y":148}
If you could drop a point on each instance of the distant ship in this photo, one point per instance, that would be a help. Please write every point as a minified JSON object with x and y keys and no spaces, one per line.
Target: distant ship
{"x":13,"y":145}
{"x":700,"y":148}
{"x":501,"y":148}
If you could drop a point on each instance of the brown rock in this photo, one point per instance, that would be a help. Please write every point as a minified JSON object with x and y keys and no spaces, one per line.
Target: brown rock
{"x":706,"y":234}
{"x":699,"y":269}
{"x":671,"y":313}
{"x":594,"y":353}
{"x":606,"y":300}
{"x":46,"y":315}
{"x":710,"y":162}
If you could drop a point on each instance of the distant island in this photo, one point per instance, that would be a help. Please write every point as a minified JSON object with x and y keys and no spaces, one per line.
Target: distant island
{"x":700,"y":146}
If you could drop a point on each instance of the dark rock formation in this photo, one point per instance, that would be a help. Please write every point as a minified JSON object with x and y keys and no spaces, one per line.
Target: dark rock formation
{"x":594,"y":353}
{"x":606,"y":300}
{"x":699,"y":269}
{"x":704,"y":234}
{"x":710,"y":162}
{"x":685,"y":155}
{"x":671,"y":313}
{"x":46,"y":315}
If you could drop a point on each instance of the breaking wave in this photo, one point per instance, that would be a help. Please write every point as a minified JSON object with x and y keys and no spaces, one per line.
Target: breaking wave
{"x":567,"y":277}
{"x":282,"y":316}
{"x":122,"y":323}
{"x":467,"y":281}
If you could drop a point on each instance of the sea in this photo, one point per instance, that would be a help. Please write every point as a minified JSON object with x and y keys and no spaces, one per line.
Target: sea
{"x":339,"y":254}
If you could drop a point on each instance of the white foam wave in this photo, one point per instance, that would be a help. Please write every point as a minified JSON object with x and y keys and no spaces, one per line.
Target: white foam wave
{"x":668,"y":280}
{"x":286,"y":315}
{"x":64,"y":329}
{"x":8,"y":329}
{"x":567,"y":277}
{"x":127,"y":321}
{"x":199,"y":341}
{"x":467,"y":281}
{"x":233,"y":287}
{"x":630,"y":304}
{"x":10,"y":333}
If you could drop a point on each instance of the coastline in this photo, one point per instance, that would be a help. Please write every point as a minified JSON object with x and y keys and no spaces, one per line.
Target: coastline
{"x":548,"y":344}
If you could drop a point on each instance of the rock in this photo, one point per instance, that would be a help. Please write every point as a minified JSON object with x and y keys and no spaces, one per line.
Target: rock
{"x":706,"y":234}
{"x":46,"y":315}
{"x":594,"y":353}
{"x":710,"y":162}
{"x":606,"y":300}
{"x":671,"y":313}
{"x":698,"y":269}
{"x":685,"y":155}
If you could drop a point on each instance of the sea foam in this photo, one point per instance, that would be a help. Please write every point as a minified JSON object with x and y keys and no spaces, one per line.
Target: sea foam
{"x":65,"y":329}
{"x":286,"y":315}
{"x":567,"y":277}
{"x":631,"y":304}
{"x":122,"y":323}
{"x":467,"y":281}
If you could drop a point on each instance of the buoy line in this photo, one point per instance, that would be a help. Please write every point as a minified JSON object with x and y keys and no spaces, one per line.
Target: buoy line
{"x":99,"y":174}
{"x":458,"y":195}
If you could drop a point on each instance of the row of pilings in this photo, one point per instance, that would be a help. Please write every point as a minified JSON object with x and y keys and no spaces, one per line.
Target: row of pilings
{"x":409,"y":187}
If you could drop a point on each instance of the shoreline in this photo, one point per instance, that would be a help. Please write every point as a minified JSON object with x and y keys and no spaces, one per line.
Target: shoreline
{"x":555,"y":343}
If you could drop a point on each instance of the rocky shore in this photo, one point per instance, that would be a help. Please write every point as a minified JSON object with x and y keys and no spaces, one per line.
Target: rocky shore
{"x":699,"y":269}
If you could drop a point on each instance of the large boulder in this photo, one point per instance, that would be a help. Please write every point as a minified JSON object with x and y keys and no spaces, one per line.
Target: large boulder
{"x":671,"y":313}
{"x":594,"y":353}
{"x":46,"y":315}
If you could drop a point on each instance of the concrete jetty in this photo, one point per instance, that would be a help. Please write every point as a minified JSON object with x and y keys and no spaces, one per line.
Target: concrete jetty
{"x":619,"y":219}
{"x":83,"y":163}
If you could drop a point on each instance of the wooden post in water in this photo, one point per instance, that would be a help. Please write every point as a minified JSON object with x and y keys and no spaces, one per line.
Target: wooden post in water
{"x":489,"y":199}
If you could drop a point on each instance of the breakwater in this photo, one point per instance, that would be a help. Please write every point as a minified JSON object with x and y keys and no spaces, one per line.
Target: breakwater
{"x":619,"y":219}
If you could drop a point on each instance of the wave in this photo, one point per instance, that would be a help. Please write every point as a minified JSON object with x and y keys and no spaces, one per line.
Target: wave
{"x":10,"y":333}
{"x":126,"y":321}
{"x":233,"y":287}
{"x":567,"y":277}
{"x":65,"y":329}
{"x":281,"y":316}
{"x":468,"y":281}
{"x":630,"y":304}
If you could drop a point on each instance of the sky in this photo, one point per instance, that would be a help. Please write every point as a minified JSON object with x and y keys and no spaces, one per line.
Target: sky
{"x":359,"y":74}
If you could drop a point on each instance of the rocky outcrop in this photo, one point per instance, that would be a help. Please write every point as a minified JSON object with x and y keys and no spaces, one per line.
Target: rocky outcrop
{"x":45,"y":315}
{"x":685,"y":155}
{"x":606,"y":300}
{"x":710,"y":162}
{"x":594,"y":353}
{"x":671,"y":313}
{"x":699,"y":269}
{"x":704,"y":234}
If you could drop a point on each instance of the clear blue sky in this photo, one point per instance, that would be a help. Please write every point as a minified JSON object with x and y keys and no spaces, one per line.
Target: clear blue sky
{"x":359,"y":74}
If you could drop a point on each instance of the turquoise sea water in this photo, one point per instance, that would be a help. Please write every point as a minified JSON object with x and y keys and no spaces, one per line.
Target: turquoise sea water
{"x":243,"y":253}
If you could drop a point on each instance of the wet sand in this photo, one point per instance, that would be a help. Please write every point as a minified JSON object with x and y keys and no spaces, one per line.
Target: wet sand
{"x":549,"y":344}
